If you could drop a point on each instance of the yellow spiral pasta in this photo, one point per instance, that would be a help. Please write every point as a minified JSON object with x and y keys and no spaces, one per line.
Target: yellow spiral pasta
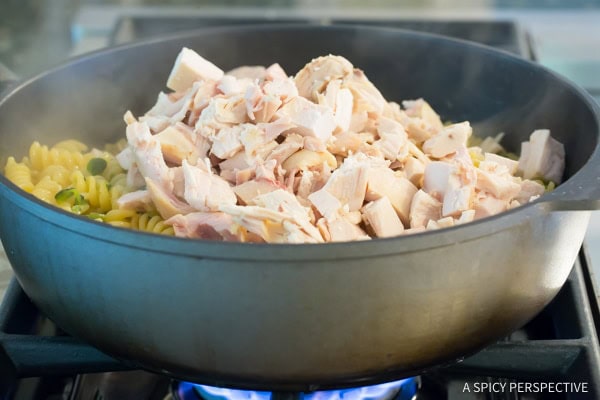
{"x":88,"y":183}
{"x":71,"y":145}
{"x":19,"y":174}
{"x":41,"y":157}
{"x":113,"y":168}
{"x":94,"y":189}
{"x":46,"y":189}
{"x":151,"y":222}
{"x":119,"y":217}
{"x":118,"y":187}
{"x":57,"y":173}
{"x":117,"y":147}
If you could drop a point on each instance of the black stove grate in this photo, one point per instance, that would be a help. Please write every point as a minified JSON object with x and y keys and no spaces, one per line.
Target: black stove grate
{"x":559,"y":345}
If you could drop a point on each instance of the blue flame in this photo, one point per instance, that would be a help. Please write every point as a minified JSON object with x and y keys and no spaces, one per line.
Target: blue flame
{"x":404,"y":389}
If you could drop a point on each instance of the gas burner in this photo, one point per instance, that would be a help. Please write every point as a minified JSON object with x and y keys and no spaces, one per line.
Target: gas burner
{"x":405,"y":389}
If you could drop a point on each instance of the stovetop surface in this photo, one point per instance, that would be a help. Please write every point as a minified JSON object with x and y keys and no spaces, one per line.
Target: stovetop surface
{"x":559,"y":347}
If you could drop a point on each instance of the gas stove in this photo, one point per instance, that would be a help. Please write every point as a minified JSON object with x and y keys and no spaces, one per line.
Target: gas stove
{"x":555,"y":356}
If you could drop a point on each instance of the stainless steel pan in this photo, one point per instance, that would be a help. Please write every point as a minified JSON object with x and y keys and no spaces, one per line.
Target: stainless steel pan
{"x":301,"y":316}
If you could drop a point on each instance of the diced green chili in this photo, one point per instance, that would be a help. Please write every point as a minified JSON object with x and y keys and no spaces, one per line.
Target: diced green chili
{"x":80,"y":208}
{"x":80,"y":200}
{"x":96,"y":166}
{"x":65,"y":194}
{"x":95,"y":215}
{"x":80,"y":205}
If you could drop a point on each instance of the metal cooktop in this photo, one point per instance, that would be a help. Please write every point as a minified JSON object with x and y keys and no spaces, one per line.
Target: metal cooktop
{"x":559,"y":347}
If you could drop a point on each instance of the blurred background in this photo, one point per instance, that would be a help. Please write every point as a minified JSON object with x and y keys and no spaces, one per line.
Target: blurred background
{"x":560,"y":34}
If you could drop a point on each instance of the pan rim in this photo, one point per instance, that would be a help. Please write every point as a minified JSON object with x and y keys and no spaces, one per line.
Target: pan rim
{"x":277,"y":252}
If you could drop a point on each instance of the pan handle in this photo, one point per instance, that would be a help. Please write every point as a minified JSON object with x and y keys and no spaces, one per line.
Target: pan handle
{"x":7,"y":78}
{"x":582,"y":193}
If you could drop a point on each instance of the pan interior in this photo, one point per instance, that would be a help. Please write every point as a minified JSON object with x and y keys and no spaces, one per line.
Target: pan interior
{"x":495,"y":91}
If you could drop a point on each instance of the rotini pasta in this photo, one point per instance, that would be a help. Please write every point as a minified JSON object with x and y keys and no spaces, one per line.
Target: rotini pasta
{"x":84,"y":182}
{"x":46,"y":189}
{"x":94,"y":189}
{"x":41,"y":157}
{"x":151,"y":222}
{"x":57,"y":173}
{"x":19,"y":174}
{"x":71,"y":145}
{"x":117,"y":147}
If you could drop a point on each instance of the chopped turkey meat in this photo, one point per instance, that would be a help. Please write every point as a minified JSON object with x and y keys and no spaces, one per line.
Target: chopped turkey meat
{"x":260,"y":107}
{"x":445,"y":222}
{"x":248,"y":190}
{"x":511,"y":165}
{"x":307,"y":159}
{"x":289,"y":146}
{"x":139,"y":200}
{"x":205,"y":92}
{"x":237,"y":162}
{"x":420,"y":109}
{"x":191,"y":67}
{"x":221,"y":112}
{"x":177,"y":144}
{"x":448,"y":140}
{"x":204,"y":190}
{"x":178,"y":181}
{"x":530,"y":190}
{"x":348,"y":183}
{"x":169,"y":110}
{"x":341,"y":102}
{"x":257,"y":156}
{"x":314,"y":77}
{"x":366,"y":96}
{"x":382,"y":182}
{"x":227,"y":142}
{"x":393,"y":142}
{"x":313,"y":144}
{"x":254,"y":139}
{"x":276,"y":128}
{"x":126,"y":158}
{"x":501,"y":186}
{"x":309,"y":118}
{"x":340,"y":229}
{"x":326,"y":203}
{"x":457,"y":200}
{"x":436,"y":177}
{"x":283,"y":89}
{"x":275,"y":72}
{"x":465,"y":216}
{"x":486,"y":206}
{"x":346,"y":143}
{"x":165,"y":202}
{"x":271,"y":226}
{"x":230,"y":85}
{"x":382,"y":218}
{"x":286,"y":202}
{"x":147,"y":153}
{"x":542,"y":157}
{"x":205,"y":225}
{"x":414,"y":171}
{"x":424,"y":208}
